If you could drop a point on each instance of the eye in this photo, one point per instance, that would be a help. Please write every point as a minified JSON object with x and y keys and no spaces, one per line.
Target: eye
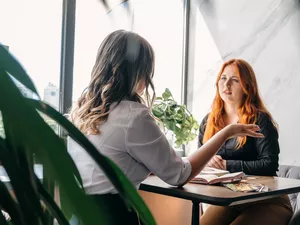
{"x":235,"y":80}
{"x":223,"y":78}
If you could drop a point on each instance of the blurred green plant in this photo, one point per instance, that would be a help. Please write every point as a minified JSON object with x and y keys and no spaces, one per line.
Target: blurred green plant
{"x":176,"y":118}
{"x":28,"y":135}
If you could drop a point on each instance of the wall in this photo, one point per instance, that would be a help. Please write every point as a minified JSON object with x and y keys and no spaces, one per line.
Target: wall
{"x":267,"y":35}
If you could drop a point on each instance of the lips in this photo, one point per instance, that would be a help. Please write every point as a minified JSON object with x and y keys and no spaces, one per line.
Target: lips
{"x":227,"y":92}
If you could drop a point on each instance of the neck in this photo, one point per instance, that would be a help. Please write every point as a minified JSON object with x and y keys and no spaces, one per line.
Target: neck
{"x":231,"y":110}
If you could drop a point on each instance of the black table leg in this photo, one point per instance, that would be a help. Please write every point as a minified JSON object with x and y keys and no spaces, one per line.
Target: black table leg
{"x":195,"y":213}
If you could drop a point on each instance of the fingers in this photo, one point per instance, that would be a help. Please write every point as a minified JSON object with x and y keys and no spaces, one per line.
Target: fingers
{"x":216,"y":162}
{"x":251,"y":130}
{"x":215,"y":165}
{"x":219,"y":157}
{"x":221,"y":161}
{"x":252,"y":127}
{"x":255,"y":134}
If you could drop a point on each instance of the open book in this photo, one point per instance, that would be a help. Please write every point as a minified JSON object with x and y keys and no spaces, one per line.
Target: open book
{"x":214,"y":179}
{"x":213,"y":171}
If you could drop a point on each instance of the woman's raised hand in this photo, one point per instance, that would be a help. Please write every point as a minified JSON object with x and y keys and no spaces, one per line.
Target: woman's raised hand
{"x":237,"y":130}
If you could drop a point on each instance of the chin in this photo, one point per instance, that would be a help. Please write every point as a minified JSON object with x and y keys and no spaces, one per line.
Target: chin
{"x":228,"y":99}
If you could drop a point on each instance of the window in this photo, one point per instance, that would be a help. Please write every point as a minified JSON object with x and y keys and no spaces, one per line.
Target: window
{"x":160,"y":22}
{"x":93,"y":24}
{"x":206,"y":61}
{"x":32,"y":32}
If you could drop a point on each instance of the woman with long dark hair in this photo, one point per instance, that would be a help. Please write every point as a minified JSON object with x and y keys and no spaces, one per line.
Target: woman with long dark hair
{"x":118,"y":121}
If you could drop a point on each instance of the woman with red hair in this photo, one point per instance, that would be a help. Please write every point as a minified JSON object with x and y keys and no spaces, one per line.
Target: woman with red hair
{"x":237,"y":100}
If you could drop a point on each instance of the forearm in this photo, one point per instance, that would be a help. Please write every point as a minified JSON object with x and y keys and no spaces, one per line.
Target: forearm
{"x":263,"y":167}
{"x":234,"y":166}
{"x":201,"y":157}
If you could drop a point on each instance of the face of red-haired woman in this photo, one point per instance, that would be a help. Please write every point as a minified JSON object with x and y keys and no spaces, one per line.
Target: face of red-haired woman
{"x":229,"y":85}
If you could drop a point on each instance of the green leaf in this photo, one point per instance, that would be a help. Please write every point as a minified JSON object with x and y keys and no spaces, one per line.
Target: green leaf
{"x":51,"y":205}
{"x":186,"y":123}
{"x":10,"y":206}
{"x":167,"y":94}
{"x":33,"y":134}
{"x":14,"y":68}
{"x":178,"y":117}
{"x":117,"y":177}
{"x":170,"y":124}
{"x":178,"y":143}
{"x":175,"y":118}
{"x":18,"y":173}
{"x":157,"y":111}
{"x":192,"y":137}
{"x":2,"y":219}
{"x":196,"y":126}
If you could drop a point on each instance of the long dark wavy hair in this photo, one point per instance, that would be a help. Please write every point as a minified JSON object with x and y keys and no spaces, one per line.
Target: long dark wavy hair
{"x":124,"y":61}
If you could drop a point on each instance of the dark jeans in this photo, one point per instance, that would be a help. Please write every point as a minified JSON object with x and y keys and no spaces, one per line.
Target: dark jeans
{"x":115,"y":209}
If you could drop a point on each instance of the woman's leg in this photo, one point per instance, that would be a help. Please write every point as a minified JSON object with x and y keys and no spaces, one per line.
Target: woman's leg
{"x":263,"y":214}
{"x":271,"y":211}
{"x":218,"y":215}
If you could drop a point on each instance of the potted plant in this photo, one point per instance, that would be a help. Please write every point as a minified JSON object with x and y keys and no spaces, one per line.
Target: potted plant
{"x":27,"y":135}
{"x":178,"y":124}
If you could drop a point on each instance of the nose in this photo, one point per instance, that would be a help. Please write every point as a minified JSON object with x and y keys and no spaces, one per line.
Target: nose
{"x":227,"y":83}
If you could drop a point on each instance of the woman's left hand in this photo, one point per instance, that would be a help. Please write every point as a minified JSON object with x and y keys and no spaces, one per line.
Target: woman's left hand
{"x":217,"y":162}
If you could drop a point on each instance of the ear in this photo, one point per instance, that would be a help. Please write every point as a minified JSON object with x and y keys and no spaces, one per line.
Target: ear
{"x":140,"y":87}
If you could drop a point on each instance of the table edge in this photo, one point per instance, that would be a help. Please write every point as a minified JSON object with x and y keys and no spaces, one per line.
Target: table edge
{"x":213,"y":200}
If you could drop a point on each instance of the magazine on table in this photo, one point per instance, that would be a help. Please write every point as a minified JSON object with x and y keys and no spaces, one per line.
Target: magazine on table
{"x":246,"y":187}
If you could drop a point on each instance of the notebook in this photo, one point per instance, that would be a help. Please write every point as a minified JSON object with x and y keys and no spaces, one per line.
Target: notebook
{"x":214,"y":179}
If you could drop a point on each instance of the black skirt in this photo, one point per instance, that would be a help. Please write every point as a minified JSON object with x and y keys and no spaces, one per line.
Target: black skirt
{"x":115,"y":209}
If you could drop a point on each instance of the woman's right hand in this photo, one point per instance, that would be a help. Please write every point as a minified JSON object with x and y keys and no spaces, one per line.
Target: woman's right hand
{"x":237,"y":130}
{"x":204,"y":154}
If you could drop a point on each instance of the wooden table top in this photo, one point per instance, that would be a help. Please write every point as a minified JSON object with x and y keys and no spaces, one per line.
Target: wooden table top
{"x":218,"y":195}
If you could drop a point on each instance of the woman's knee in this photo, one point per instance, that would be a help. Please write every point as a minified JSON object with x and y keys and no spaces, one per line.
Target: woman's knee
{"x":218,"y":215}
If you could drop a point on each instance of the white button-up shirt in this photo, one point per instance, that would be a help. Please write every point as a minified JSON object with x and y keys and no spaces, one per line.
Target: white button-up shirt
{"x":131,"y":138}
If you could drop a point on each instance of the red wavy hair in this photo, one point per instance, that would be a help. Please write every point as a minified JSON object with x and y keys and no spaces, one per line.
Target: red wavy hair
{"x":252,"y":102}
